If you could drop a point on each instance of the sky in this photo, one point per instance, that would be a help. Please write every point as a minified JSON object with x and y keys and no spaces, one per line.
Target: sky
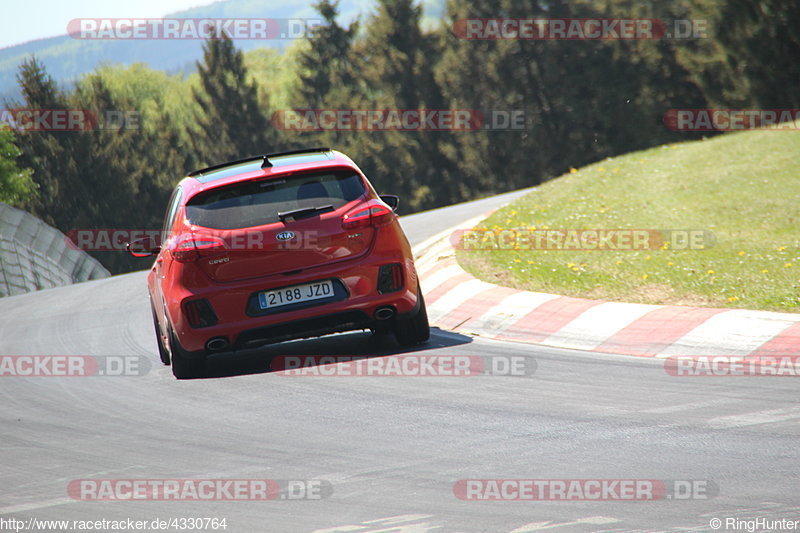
{"x":27,"y":20}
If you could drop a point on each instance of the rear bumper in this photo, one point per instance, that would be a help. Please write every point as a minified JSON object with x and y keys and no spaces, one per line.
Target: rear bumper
{"x":312,"y":327}
{"x":242,"y":330}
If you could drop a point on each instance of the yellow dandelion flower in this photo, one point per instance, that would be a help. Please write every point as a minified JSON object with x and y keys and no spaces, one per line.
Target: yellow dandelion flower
{"x":732,"y":299}
{"x":570,"y":265}
{"x":788,"y":265}
{"x":741,"y":252}
{"x":670,"y":264}
{"x":781,"y":248}
{"x":709,"y":272}
{"x":764,"y":271}
{"x":572,"y":170}
{"x":645,"y":276}
{"x":619,"y":261}
{"x":517,"y":260}
{"x":601,"y":169}
{"x":647,"y":258}
{"x":530,"y":262}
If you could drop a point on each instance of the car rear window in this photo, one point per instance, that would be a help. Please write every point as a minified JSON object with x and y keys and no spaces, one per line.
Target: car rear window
{"x":255,"y":203}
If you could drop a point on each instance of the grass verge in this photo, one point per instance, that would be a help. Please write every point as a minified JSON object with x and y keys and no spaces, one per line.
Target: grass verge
{"x":744,"y":187}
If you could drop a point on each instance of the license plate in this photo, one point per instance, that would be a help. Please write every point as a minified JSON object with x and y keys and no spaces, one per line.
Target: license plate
{"x":296,"y":294}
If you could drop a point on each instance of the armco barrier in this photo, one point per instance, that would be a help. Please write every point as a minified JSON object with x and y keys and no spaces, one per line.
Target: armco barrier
{"x":35,"y":256}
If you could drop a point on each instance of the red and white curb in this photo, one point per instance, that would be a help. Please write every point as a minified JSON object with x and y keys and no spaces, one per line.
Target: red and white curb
{"x":459,"y":302}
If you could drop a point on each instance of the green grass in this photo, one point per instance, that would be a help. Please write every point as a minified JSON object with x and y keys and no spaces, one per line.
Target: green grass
{"x":744,"y":187}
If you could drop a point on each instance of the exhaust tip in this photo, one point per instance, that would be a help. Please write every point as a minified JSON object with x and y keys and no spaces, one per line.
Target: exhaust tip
{"x":384,"y":313}
{"x":217,"y":344}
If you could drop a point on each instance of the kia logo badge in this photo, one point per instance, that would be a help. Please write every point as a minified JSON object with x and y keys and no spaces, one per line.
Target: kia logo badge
{"x":285,"y":236}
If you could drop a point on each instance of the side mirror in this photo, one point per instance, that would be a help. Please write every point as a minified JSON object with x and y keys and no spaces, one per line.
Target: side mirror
{"x":391,"y":200}
{"x":143,"y":247}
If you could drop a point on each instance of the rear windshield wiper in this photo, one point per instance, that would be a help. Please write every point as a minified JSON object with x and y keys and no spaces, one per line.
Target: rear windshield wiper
{"x":304,"y":212}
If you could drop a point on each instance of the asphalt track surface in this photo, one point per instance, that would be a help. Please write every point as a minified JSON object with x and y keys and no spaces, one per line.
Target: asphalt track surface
{"x":389,"y":448}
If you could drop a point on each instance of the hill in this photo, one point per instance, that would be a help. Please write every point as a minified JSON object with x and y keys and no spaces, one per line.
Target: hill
{"x":67,"y":59}
{"x":740,"y":190}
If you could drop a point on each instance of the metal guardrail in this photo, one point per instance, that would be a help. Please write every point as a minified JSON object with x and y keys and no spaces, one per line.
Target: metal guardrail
{"x":36,"y":256}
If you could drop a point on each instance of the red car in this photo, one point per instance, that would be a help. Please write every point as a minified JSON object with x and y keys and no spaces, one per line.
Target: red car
{"x":277,"y":247}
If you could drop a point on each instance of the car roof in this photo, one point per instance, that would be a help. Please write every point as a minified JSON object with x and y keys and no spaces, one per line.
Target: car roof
{"x":268,"y":166}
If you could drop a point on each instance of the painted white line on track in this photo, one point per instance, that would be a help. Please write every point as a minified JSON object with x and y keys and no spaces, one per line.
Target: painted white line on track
{"x":410,"y":523}
{"x":755,"y":418}
{"x":399,"y":519}
{"x":686,"y":407}
{"x":540,"y":526}
{"x":21,"y":508}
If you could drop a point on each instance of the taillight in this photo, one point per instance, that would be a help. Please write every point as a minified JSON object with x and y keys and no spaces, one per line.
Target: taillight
{"x":372,"y":213}
{"x":199,"y":313}
{"x":390,"y":278}
{"x":192,"y":247}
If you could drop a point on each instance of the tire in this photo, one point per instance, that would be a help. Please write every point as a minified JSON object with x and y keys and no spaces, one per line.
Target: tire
{"x":184,"y":365}
{"x":163,"y":353}
{"x":414,"y":330}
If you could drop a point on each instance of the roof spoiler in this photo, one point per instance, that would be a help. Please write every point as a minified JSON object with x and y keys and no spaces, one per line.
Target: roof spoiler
{"x":265,"y":158}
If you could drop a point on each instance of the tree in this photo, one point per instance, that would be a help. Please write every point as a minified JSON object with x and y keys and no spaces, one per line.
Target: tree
{"x":325,"y":63}
{"x":16,"y":185}
{"x":131,"y":167}
{"x":326,"y":75}
{"x":750,"y":56}
{"x":583,"y":99}
{"x":395,"y":62}
{"x":231,"y":124}
{"x":499,"y":76}
{"x":115,"y":174}
{"x":54,"y":156}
